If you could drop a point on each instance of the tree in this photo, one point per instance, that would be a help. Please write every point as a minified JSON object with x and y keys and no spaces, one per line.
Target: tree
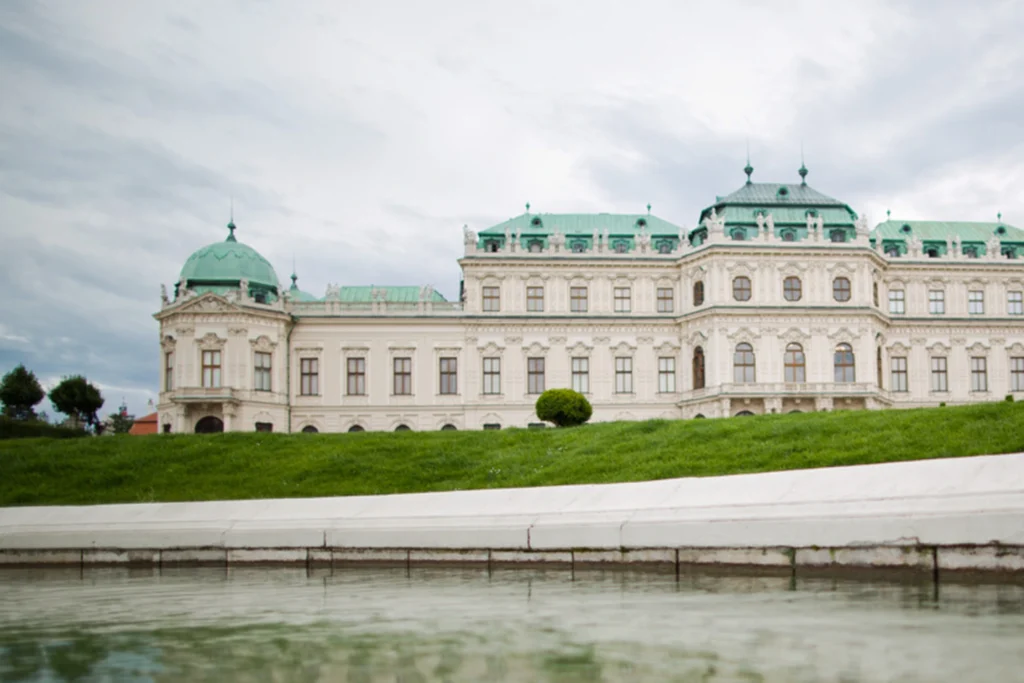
{"x":20,"y":392}
{"x":78,"y":399}
{"x":564,"y":407}
{"x":120,"y":422}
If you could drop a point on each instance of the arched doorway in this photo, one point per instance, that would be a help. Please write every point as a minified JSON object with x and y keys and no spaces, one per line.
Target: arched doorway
{"x":356,"y":428}
{"x":744,"y":413}
{"x":449,"y":428}
{"x":210,"y":425}
{"x":309,"y":429}
{"x":403,"y":428}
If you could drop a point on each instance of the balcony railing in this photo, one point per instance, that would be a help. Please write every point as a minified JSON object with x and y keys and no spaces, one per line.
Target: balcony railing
{"x":788,"y":389}
{"x":202,"y":395}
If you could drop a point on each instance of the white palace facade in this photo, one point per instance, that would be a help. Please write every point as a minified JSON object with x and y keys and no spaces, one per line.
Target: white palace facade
{"x":780,"y":300}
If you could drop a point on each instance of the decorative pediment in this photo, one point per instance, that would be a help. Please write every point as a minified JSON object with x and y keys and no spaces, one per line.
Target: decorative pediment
{"x":579,"y":350}
{"x":978,"y":349}
{"x":697,"y":273}
{"x":837,"y":269}
{"x":898,"y":349}
{"x":697,"y":339}
{"x":743,"y":334}
{"x":401,"y":350}
{"x":1016,"y":349}
{"x":263,"y":343}
{"x":491,"y":349}
{"x":939,"y":349}
{"x":667,"y":348}
{"x":795,"y":334}
{"x":211,"y":342}
{"x":738,"y":268}
{"x":793,"y":268}
{"x":447,"y":350}
{"x":309,"y":349}
{"x":895,"y":282}
{"x":623,"y":348}
{"x":535,"y":349}
{"x":937,"y":282}
{"x":844,"y":334}
{"x":207,"y":303}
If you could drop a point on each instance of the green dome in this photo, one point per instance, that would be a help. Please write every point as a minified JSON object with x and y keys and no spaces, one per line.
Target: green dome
{"x":221,"y":266}
{"x":296,"y":294}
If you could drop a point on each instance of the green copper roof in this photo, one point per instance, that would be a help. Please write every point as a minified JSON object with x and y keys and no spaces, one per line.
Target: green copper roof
{"x":361,"y":295}
{"x":779,"y":194}
{"x":940,"y":231}
{"x":787,"y":203}
{"x":583,"y":224}
{"x":227,"y":263}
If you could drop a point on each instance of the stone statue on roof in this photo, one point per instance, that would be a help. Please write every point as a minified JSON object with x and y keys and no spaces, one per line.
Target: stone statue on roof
{"x":992,"y":247}
{"x":333,"y":292}
{"x":468,"y":236}
{"x":163,"y":295}
{"x":557,"y":240}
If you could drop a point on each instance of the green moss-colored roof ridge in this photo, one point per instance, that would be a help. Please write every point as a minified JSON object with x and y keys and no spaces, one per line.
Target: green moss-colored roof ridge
{"x":584,"y":224}
{"x":940,"y":231}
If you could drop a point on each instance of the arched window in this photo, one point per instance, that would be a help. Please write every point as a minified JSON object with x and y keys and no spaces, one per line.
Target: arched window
{"x":578,"y":247}
{"x":792,"y":290}
{"x":932,"y":252}
{"x":356,"y":428}
{"x":309,"y":429}
{"x":795,"y":363}
{"x":698,"y":368}
{"x":665,"y":247}
{"x":878,"y":366}
{"x":841,"y":289}
{"x":788,"y":236}
{"x":744,"y":413}
{"x":743,"y":363}
{"x":491,"y":246}
{"x":741,"y":288}
{"x":449,"y":428}
{"x":739,"y":234}
{"x":838,"y":235}
{"x":698,"y":293}
{"x":874,"y":292}
{"x":403,"y":428}
{"x":620,"y":246}
{"x":844,"y":363}
{"x":535,"y":246}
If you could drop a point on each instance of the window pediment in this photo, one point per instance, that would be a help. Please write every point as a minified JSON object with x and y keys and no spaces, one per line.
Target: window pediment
{"x":491,"y":349}
{"x":168,"y":343}
{"x":1016,"y":349}
{"x":939,"y":349}
{"x":667,"y":348}
{"x":535,"y":349}
{"x":263,"y":343}
{"x":978,"y":349}
{"x":623,"y":348}
{"x":844,"y":334}
{"x":579,"y":350}
{"x":744,"y":334}
{"x":697,"y":339}
{"x":898,"y":348}
{"x":211,"y":342}
{"x":795,"y":334}
{"x":355,"y":351}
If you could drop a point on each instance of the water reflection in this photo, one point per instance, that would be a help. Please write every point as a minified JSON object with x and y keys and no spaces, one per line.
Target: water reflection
{"x":451,"y":624}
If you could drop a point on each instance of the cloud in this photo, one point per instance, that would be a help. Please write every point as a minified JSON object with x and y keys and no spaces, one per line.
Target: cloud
{"x":357,"y":138}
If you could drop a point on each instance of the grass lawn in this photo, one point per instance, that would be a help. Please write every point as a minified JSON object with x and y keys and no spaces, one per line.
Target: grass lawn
{"x":126,"y":469}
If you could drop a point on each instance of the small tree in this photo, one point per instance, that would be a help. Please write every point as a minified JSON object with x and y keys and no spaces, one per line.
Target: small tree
{"x":78,"y":399}
{"x":564,"y":407}
{"x":120,"y":422}
{"x":20,"y":392}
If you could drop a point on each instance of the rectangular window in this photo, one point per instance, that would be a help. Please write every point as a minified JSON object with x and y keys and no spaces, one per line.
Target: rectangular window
{"x":169,"y":371}
{"x":262,"y":364}
{"x":666,"y":300}
{"x":976,"y":302}
{"x":666,"y":375}
{"x":623,"y":299}
{"x":979,"y":373}
{"x":939,"y":378}
{"x":211,"y":369}
{"x":309,"y":376}
{"x":936,"y":302}
{"x":1017,"y":374}
{"x":402,"y":385}
{"x":492,"y":375}
{"x":492,"y":299}
{"x":898,"y":365}
{"x":897,"y":301}
{"x":449,"y":376}
{"x":1015,"y":303}
{"x":535,"y":299}
{"x":578,"y":299}
{"x":535,"y":375}
{"x":355,"y":377}
{"x":623,"y":375}
{"x":581,"y":375}
{"x":264,"y":426}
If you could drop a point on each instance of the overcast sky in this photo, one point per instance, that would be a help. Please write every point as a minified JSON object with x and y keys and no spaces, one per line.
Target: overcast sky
{"x":358,"y":137}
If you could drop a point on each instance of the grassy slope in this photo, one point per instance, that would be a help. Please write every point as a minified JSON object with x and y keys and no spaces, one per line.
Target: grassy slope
{"x":233,"y":466}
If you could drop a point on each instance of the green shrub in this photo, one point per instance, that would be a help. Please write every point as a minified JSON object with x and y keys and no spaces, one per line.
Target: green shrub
{"x":1009,"y":398}
{"x":30,"y":429}
{"x":564,"y":407}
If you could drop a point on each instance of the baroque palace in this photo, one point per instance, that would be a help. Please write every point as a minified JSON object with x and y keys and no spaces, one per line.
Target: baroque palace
{"x":781,"y":299}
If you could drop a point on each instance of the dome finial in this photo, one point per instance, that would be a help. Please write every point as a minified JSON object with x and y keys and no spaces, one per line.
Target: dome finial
{"x":527,"y":207}
{"x":748,"y":169}
{"x":999,"y":216}
{"x":648,"y":208}
{"x":231,"y":223}
{"x":803,"y":166}
{"x":888,"y":214}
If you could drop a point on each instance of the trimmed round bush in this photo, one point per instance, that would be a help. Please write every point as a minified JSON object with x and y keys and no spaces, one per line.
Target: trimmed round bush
{"x":564,"y":407}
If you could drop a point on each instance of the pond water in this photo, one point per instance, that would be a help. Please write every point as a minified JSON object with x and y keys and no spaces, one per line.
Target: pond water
{"x":445,"y":624}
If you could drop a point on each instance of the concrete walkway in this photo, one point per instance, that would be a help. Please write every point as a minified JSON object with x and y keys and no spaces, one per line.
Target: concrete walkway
{"x":959,"y":513}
